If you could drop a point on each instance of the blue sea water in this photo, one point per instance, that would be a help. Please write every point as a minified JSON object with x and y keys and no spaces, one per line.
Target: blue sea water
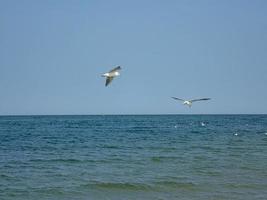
{"x":130,"y":157}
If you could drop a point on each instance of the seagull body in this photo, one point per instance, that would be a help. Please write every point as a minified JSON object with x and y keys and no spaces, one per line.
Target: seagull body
{"x":190,"y":102}
{"x":111,"y":75}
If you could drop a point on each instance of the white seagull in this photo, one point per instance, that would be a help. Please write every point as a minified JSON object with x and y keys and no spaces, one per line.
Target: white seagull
{"x":111,"y":74}
{"x":189,"y":102}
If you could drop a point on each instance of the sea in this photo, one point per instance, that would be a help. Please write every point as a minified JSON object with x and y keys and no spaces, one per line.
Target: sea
{"x":132,"y":157}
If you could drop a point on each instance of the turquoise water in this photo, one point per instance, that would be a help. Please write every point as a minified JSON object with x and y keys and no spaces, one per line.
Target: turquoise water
{"x":134,"y":157}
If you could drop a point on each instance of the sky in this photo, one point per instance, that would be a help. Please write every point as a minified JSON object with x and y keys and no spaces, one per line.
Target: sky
{"x":52,"y":55}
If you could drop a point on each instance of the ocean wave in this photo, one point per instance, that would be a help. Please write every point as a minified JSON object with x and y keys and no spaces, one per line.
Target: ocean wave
{"x":194,"y":131}
{"x":77,"y":161}
{"x":69,"y":160}
{"x":7,"y":177}
{"x":162,"y":158}
{"x":153,"y":186}
{"x":110,"y":146}
{"x":244,"y":186}
{"x":177,"y":185}
{"x":119,"y":186}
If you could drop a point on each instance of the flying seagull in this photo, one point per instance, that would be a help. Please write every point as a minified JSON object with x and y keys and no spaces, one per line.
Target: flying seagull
{"x":111,"y":74}
{"x":189,"y":102}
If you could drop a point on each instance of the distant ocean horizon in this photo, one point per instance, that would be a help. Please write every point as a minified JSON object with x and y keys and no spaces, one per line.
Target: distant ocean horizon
{"x":108,"y":114}
{"x":140,"y":156}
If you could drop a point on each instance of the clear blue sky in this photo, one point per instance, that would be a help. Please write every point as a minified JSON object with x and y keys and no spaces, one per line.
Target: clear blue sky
{"x":52,"y":54}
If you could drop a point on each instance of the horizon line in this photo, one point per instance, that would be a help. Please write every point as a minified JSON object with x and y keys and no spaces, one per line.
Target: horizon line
{"x":25,"y":115}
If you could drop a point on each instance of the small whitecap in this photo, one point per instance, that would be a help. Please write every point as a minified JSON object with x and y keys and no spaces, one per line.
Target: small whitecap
{"x":235,"y":134}
{"x":203,"y":124}
{"x":175,"y":126}
{"x":265,"y":133}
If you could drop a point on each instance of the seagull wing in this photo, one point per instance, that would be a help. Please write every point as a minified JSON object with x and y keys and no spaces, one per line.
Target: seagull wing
{"x":178,"y":99}
{"x":108,"y":80}
{"x":115,"y":69}
{"x":203,"y":99}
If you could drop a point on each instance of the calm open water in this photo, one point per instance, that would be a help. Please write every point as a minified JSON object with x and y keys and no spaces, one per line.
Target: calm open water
{"x":197,"y":157}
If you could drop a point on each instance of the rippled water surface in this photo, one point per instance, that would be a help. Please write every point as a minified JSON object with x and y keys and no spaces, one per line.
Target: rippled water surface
{"x":134,"y":157}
